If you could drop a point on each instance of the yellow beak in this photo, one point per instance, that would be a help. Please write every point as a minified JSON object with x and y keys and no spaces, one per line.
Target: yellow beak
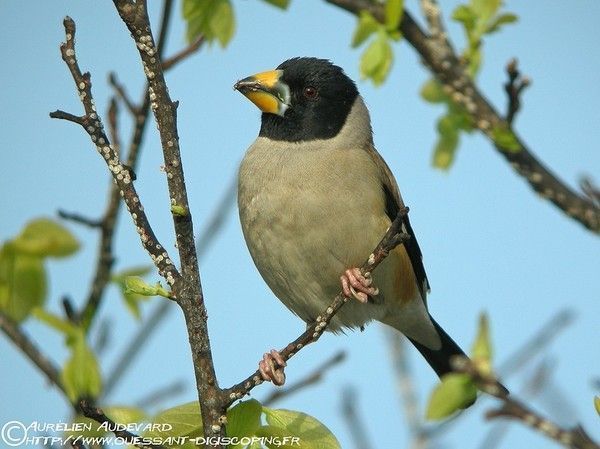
{"x":266,"y":91}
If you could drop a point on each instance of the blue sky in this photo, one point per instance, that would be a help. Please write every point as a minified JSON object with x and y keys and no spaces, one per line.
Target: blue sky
{"x":489,"y":243}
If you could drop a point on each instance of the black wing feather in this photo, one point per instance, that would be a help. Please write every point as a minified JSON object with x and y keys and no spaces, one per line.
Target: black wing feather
{"x":412,"y":246}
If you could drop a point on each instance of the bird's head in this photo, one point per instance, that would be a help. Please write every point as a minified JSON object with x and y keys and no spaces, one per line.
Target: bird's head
{"x":302,"y":99}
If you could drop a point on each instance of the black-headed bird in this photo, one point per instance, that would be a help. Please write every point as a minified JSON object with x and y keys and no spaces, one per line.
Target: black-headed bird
{"x":315,"y":198}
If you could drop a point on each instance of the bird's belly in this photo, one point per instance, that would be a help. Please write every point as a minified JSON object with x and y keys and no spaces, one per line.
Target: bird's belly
{"x":302,"y":240}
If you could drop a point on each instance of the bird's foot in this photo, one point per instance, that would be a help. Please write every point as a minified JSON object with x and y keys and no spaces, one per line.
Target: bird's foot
{"x":267,"y":367}
{"x":358,"y":286}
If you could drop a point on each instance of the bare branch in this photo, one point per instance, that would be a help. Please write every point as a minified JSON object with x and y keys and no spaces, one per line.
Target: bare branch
{"x":514,"y":87}
{"x":355,"y":424}
{"x":123,"y":95}
{"x":92,"y":412}
{"x":313,"y":332}
{"x":541,"y":339}
{"x":187,"y":288}
{"x":511,"y":408}
{"x":92,"y":123}
{"x":162,"y":309}
{"x":183,"y":54}
{"x":591,"y":190}
{"x":446,"y":67}
{"x":406,"y":390}
{"x":22,"y":341}
{"x":105,"y":258}
{"x":80,"y":219}
{"x":312,"y":378}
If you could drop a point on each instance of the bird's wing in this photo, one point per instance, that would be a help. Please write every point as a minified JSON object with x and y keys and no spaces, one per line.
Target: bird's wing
{"x":393,"y":203}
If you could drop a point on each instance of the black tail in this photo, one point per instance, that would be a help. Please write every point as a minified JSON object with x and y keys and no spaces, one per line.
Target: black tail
{"x":439,"y":359}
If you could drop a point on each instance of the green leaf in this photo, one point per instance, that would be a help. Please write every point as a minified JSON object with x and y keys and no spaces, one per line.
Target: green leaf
{"x":445,"y":148}
{"x":81,"y":374}
{"x":393,"y":14}
{"x":311,"y":433}
{"x":125,"y":414}
{"x":597,"y":404}
{"x":500,"y":20}
{"x":485,"y":9}
{"x":213,"y":19}
{"x":482,"y":347}
{"x":22,"y":282}
{"x":223,"y":23}
{"x":283,"y":4}
{"x":132,"y":300}
{"x":119,"y":414}
{"x":376,"y":60}
{"x":178,"y":210}
{"x":505,"y":139}
{"x":136,"y":285}
{"x":184,"y":419}
{"x":432,"y":92}
{"x":44,"y":237}
{"x":57,"y":323}
{"x":367,"y":25}
{"x":465,"y":15}
{"x":455,"y":392}
{"x":244,"y":419}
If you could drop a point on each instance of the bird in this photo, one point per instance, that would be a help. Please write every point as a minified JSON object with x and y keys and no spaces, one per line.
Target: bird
{"x":315,"y":197}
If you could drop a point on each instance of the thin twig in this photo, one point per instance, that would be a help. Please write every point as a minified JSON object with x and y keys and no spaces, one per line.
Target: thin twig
{"x":105,"y":257}
{"x":80,"y":219}
{"x":355,"y":424}
{"x":187,"y":288}
{"x":534,"y":345}
{"x":513,"y":409}
{"x":160,"y":395}
{"x":192,"y":48}
{"x":217,"y":218}
{"x":314,"y":377}
{"x":113,"y":125}
{"x":313,"y":332}
{"x":591,"y":190}
{"x":123,"y":95}
{"x":162,"y":310}
{"x":518,"y":359}
{"x":537,"y":383}
{"x":95,"y":413}
{"x":22,"y":341}
{"x":446,"y":67}
{"x":92,"y":123}
{"x":406,"y":390}
{"x":514,"y":87}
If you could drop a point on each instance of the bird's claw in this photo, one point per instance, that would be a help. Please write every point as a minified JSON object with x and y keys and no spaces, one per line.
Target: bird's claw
{"x":267,"y":368}
{"x":357,"y":285}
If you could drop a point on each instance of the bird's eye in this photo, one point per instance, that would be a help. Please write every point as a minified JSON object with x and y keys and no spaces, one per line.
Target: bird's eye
{"x":310,"y":92}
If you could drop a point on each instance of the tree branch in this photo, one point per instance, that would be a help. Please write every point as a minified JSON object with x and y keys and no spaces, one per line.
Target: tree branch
{"x":187,"y":287}
{"x":446,"y":67}
{"x":89,"y":411}
{"x":514,"y":87}
{"x":105,"y":258}
{"x":312,"y":378}
{"x":213,"y":225}
{"x":356,"y":426}
{"x":406,"y":390}
{"x":21,"y":340}
{"x":511,"y":408}
{"x":313,"y":332}
{"x":183,"y":54}
{"x":92,"y":123}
